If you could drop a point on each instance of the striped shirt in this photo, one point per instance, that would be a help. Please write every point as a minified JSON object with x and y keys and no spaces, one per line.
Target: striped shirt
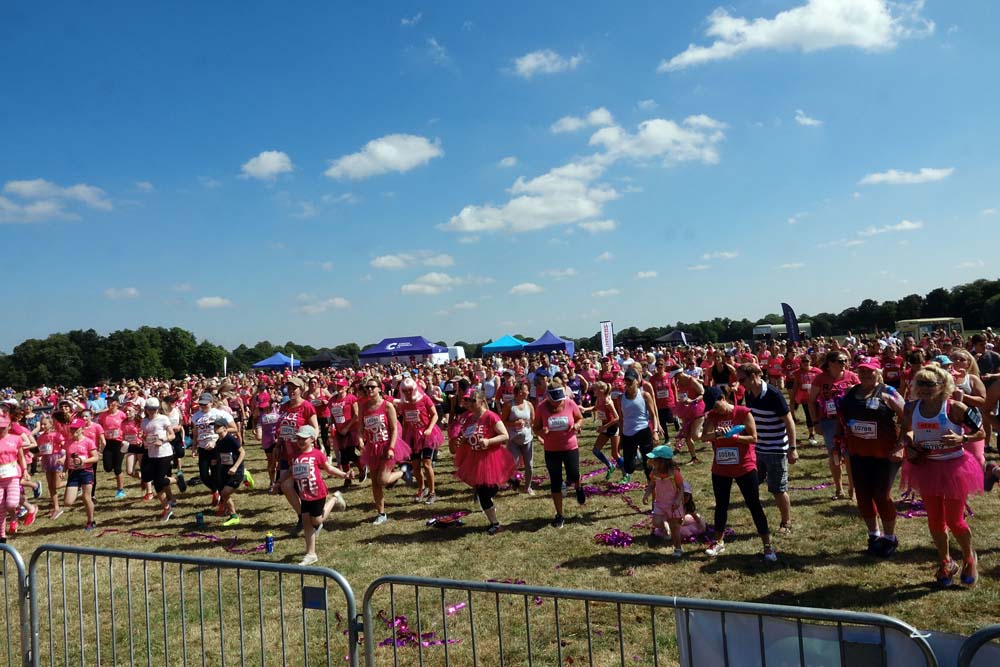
{"x":769,"y":410}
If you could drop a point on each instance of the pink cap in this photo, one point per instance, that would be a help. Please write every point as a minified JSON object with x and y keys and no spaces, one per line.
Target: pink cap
{"x":77,"y":423}
{"x":869,"y":365}
{"x":341,"y":382}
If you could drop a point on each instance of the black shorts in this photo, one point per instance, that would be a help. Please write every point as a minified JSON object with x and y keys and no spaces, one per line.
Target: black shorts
{"x":178,"y":446}
{"x":313,"y":507}
{"x":233,"y":481}
{"x":666,"y":416}
{"x":156,"y":471}
{"x":427,"y":453}
{"x":610,"y":431}
{"x":136,"y":449}
{"x":349,"y":455}
{"x":113,"y":457}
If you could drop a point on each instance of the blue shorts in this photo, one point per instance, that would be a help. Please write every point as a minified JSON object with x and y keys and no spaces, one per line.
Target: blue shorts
{"x":80,"y":477}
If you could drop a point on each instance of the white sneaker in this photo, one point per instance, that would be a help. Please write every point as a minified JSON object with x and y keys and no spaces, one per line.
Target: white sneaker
{"x":770,"y":555}
{"x":340,"y":504}
{"x":678,"y":553}
{"x":813,"y":441}
{"x":717,"y":549}
{"x":310,"y":559}
{"x":380,"y":519}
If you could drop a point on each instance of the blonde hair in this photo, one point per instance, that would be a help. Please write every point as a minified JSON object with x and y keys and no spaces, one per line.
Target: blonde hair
{"x":965,"y":356}
{"x":556,"y":383}
{"x":602,"y":387}
{"x":938,"y":375}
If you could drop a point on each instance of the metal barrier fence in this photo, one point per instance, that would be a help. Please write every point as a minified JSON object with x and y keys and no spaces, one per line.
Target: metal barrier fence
{"x":102,"y":607}
{"x":15,"y":609}
{"x":435,"y":622}
{"x":967,"y":655}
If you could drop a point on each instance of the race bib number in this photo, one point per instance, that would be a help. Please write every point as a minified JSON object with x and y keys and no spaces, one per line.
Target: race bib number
{"x":287,"y":431}
{"x":113,"y":434}
{"x":45,"y":449}
{"x":269,"y":418}
{"x":226,"y":458}
{"x":469,"y":432}
{"x":682,"y":396}
{"x":831,"y":408}
{"x":727,"y":456}
{"x":602,"y":416}
{"x":934,"y":445}
{"x":864,"y":429}
{"x":662,"y":393}
{"x":806,"y":385}
{"x":300,"y":471}
{"x":132,"y":438}
{"x":412,"y":416}
{"x":557,"y":424}
{"x":152,"y":440}
{"x":892,"y":375}
{"x":9,"y":470}
{"x":338,"y":413}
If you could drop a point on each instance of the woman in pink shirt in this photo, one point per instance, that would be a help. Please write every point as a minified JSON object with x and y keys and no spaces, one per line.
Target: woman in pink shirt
{"x":557,"y":424}
{"x":12,"y":469}
{"x":81,"y":455}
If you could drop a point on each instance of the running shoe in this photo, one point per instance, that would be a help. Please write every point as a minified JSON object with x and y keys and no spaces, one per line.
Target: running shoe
{"x":364,"y":474}
{"x":989,"y":476}
{"x":813,"y":440}
{"x":166,"y":514}
{"x":872,"y":544}
{"x":12,"y":527}
{"x":530,"y":491}
{"x":407,"y":473}
{"x":581,"y":495}
{"x":946,"y":573}
{"x":430,"y":499}
{"x":90,"y":525}
{"x":420,"y":496}
{"x":310,"y":559}
{"x":182,"y":484}
{"x":119,"y":494}
{"x":558,"y":521}
{"x":147,"y":497}
{"x":886,"y":547}
{"x":626,"y":478}
{"x":220,"y":510}
{"x":678,"y":553}
{"x":770,"y":555}
{"x":339,"y":505}
{"x":30,"y":517}
{"x":493,"y":529}
{"x":248,"y":480}
{"x":716,"y":549}
{"x":970,"y":570}
{"x":380,"y":519}
{"x":56,"y":514}
{"x":233,"y":520}
{"x":21,"y":512}
{"x":609,"y":473}
{"x":36,"y":489}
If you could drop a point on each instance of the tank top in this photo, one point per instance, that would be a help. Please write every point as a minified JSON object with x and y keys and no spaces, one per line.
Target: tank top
{"x":375,"y":424}
{"x":635,"y":417}
{"x":869,"y":424}
{"x":720,"y":375}
{"x":522,"y":412}
{"x":966,"y":385}
{"x":927,"y":432}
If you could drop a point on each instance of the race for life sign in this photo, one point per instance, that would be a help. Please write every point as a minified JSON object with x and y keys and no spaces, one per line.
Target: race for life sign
{"x":607,"y":337}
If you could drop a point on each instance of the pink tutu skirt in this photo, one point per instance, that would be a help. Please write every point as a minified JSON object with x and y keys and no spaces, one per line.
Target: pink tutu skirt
{"x":954,"y":478}
{"x":978,"y":451}
{"x":484,"y":467}
{"x":415,"y":437}
{"x":373,"y":455}
{"x":454,"y":428}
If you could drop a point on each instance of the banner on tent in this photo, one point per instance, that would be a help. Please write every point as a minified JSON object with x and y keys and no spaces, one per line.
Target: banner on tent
{"x":607,"y":337}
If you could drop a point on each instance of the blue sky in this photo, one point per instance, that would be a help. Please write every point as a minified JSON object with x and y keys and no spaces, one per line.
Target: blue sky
{"x":335,"y":172}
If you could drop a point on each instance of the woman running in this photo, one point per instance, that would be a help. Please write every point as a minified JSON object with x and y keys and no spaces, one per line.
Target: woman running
{"x":421,"y":432}
{"x":482,"y":461}
{"x":641,"y":428}
{"x":691,"y":411}
{"x":557,"y":423}
{"x":518,"y":414}
{"x":827,"y":390}
{"x":383,"y":448}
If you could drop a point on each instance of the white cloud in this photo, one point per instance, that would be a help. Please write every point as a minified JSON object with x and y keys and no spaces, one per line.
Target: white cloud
{"x":317,"y":307}
{"x":598,"y":226}
{"x":598,"y":117}
{"x":407,"y":259}
{"x":855,"y":195}
{"x":322,"y":266}
{"x":645,"y":275}
{"x":267,"y":166}
{"x":559,"y":274}
{"x":431,"y":283}
{"x":144,"y":186}
{"x":468,"y":239}
{"x":305,"y":210}
{"x":213,"y":302}
{"x":604,"y":257}
{"x":605,"y":293}
{"x":393,"y":152}
{"x":438,"y":54}
{"x":699,"y":267}
{"x":121,"y":293}
{"x":525,"y":288}
{"x":345,"y":198}
{"x":545,"y":61}
{"x":694,"y":139}
{"x":792,"y":266}
{"x":209,"y":183}
{"x":990,"y":211}
{"x":647,"y":105}
{"x":412,"y":20}
{"x":974,"y":264}
{"x":721,"y":254}
{"x":802,"y":119}
{"x":902,"y":226}
{"x":869,"y":25}
{"x":795,"y":219}
{"x":465,"y":305}
{"x":304,"y":297}
{"x":896,"y":177}
{"x":507,"y":162}
{"x":45,"y":200}
{"x":844,"y":243}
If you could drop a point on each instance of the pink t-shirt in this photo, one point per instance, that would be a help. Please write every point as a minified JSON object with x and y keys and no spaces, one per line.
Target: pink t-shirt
{"x":83,"y":448}
{"x":112,"y":424}
{"x":307,"y":471}
{"x":50,"y":443}
{"x":561,"y":435}
{"x":94,"y":431}
{"x":341,"y":411}
{"x":10,"y":445}
{"x":416,"y":415}
{"x":476,"y":431}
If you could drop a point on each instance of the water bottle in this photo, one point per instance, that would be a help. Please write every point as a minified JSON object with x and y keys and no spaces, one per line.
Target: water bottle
{"x":269,"y":543}
{"x":199,"y":519}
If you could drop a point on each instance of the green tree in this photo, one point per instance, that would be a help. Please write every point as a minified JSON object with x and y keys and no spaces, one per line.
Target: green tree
{"x":937,"y":303}
{"x":910,"y":307}
{"x":53,"y":361}
{"x":178,"y":351}
{"x":208,"y":358}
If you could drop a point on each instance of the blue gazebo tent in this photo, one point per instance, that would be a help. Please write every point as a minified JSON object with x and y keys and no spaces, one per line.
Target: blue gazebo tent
{"x":506,"y":343}
{"x":402,"y":347}
{"x":277,"y":360}
{"x":549,"y":342}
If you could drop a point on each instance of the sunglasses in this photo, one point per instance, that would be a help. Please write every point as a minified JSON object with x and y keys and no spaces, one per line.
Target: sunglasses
{"x":371,"y":386}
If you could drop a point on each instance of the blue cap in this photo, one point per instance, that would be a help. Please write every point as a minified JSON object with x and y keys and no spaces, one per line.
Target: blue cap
{"x":661,"y":452}
{"x":943,"y":360}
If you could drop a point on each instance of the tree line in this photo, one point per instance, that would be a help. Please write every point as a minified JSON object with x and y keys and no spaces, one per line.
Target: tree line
{"x":86,"y":357}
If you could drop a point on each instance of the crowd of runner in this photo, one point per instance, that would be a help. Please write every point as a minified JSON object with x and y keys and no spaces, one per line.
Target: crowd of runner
{"x":897,"y":418}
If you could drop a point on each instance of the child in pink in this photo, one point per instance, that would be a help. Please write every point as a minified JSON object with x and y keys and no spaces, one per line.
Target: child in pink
{"x":317,"y":503}
{"x":53,"y":457}
{"x":666,"y":488}
{"x":12,"y":468}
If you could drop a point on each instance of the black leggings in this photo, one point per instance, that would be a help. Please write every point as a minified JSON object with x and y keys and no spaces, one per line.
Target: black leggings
{"x":112,"y":456}
{"x":554,"y":462}
{"x":486,"y":494}
{"x":641,"y":442}
{"x":809,"y":418}
{"x":324,"y":433}
{"x":722,"y":487}
{"x":205,"y":472}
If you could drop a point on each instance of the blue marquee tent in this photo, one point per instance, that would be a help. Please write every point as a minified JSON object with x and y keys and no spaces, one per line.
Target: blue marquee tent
{"x":402,"y":347}
{"x":277,"y":360}
{"x":549,"y":342}
{"x":506,"y":343}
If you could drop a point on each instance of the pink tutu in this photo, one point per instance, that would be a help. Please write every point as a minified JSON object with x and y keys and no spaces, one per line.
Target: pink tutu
{"x":978,"y":451}
{"x":484,"y":467}
{"x":373,"y":455}
{"x":418,"y":442}
{"x":954,"y":478}
{"x":690,"y":412}
{"x":455,"y":428}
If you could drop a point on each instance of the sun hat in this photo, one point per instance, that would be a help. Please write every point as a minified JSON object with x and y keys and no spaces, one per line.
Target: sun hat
{"x":152,"y":403}
{"x":661,"y":452}
{"x":306,"y":431}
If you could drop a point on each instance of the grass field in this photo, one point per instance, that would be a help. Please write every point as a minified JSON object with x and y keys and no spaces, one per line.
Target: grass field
{"x":820,"y":565}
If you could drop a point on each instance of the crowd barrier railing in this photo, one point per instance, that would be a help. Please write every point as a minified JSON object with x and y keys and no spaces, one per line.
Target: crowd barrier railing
{"x":967,"y":654}
{"x":15,"y":652}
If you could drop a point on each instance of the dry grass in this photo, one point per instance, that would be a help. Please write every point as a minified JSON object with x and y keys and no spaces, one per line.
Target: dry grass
{"x":821,"y":565}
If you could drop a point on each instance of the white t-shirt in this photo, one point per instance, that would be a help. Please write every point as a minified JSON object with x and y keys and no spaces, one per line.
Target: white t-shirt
{"x":204,"y":426}
{"x":156,"y":435}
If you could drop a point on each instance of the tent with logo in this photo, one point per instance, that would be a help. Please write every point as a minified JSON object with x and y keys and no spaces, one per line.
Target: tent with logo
{"x":405,"y":350}
{"x":278,"y":360}
{"x":504,"y":344}
{"x":549,"y":342}
{"x":326,"y":359}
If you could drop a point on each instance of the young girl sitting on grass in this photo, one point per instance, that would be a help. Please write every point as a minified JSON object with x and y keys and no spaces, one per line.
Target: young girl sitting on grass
{"x":666,"y":488}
